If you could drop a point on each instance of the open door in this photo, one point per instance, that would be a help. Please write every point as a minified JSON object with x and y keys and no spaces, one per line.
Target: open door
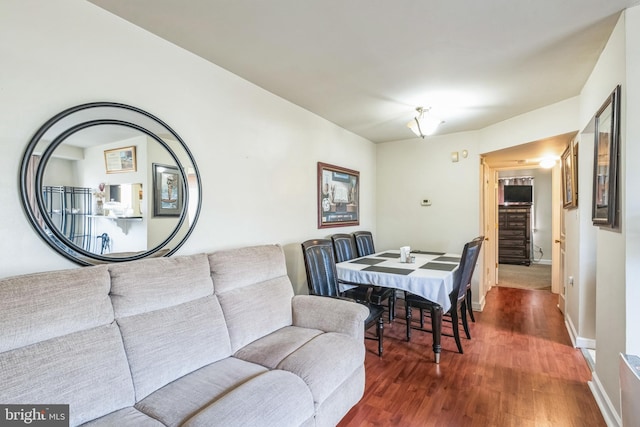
{"x":489,"y":207}
{"x":558,"y":233}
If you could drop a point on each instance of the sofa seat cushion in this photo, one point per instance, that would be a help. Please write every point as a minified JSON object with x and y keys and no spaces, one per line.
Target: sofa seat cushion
{"x":322,"y":359}
{"x":270,"y":350}
{"x":181,"y":399}
{"x":272,"y":399}
{"x":325,"y":362}
{"x":87,"y":370}
{"x":165,"y":345}
{"x":125,"y":417}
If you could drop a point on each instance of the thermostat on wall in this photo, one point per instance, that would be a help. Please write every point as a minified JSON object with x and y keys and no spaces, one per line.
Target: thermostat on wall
{"x":425,"y":202}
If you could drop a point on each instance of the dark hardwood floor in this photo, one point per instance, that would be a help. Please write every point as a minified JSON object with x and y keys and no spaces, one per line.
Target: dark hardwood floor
{"x":519,"y":369}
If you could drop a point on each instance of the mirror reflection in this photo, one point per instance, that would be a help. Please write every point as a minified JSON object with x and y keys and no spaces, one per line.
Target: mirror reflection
{"x":90,"y":189}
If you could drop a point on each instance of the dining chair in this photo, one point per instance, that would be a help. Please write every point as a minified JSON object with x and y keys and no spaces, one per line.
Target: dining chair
{"x":468,"y":296}
{"x":364,"y":243}
{"x":345,"y":250}
{"x":457,"y":296}
{"x":322,"y":280}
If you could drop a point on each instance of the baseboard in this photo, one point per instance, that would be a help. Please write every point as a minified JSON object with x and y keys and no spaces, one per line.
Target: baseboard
{"x":582,"y":342}
{"x":571,"y":330}
{"x":543,"y":261}
{"x":479,"y":306}
{"x":609,"y":413}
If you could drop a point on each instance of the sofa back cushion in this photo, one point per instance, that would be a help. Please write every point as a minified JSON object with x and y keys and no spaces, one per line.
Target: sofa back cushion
{"x":40,"y":306}
{"x":171,"y":322}
{"x":156,"y":283}
{"x":254,"y":291}
{"x":59,"y":343}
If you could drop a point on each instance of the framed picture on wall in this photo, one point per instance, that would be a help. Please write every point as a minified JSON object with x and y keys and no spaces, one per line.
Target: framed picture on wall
{"x":338,"y":196}
{"x":605,"y":162}
{"x":569,"y":177}
{"x":167,"y":190}
{"x":120,"y":160}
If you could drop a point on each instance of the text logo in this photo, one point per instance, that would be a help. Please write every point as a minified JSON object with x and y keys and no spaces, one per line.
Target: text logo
{"x":34,"y":415}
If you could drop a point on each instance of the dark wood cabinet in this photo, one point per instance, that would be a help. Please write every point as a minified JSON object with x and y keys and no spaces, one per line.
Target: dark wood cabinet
{"x":514,"y":233}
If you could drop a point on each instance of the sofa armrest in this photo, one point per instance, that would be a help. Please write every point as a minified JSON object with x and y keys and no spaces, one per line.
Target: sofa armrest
{"x":329,"y":315}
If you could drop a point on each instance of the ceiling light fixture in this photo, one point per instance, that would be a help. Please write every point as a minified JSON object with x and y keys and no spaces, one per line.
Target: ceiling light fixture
{"x":424,"y":124}
{"x":547,"y":162}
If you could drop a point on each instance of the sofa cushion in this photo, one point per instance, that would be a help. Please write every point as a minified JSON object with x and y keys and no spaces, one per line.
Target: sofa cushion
{"x":270,"y":350}
{"x":273,"y":399}
{"x":254,"y":291}
{"x":166,"y":344}
{"x":87,"y":370}
{"x":325,"y":362}
{"x":40,"y":306}
{"x":152,"y":284}
{"x":183,"y":398}
{"x":338,"y":403}
{"x":129,"y":416}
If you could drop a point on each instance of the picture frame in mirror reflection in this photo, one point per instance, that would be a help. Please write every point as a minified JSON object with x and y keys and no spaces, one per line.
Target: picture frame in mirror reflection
{"x":569,"y":176}
{"x":120,"y":160}
{"x":338,"y":196}
{"x":605,"y":163}
{"x":168,"y":196}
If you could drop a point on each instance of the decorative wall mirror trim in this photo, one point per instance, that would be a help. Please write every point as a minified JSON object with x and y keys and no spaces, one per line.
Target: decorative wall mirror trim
{"x":605,"y":162}
{"x":65,"y":182}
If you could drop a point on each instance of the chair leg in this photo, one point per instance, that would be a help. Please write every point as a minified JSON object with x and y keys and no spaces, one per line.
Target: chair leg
{"x":408,"y":319}
{"x":473,"y":319}
{"x":392,"y":306}
{"x":463,"y":314}
{"x":379,"y":332}
{"x":455,"y":325}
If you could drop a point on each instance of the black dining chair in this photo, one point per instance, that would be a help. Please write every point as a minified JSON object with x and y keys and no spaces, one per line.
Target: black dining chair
{"x":322,"y":280}
{"x":364,"y":243}
{"x":469,"y":295}
{"x":457,"y":296}
{"x":345,"y":250}
{"x":364,"y":247}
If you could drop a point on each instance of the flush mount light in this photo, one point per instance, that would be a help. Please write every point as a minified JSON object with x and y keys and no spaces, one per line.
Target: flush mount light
{"x":547,"y":162}
{"x":424,"y":124}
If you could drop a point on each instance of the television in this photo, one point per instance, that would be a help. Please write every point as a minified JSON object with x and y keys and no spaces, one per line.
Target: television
{"x":518,"y":194}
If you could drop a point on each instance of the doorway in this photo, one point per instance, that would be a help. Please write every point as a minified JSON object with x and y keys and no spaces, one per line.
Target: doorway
{"x":525,"y":237}
{"x":515,"y":160}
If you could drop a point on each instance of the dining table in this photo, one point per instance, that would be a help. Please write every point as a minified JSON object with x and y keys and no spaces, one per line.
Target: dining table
{"x":429,"y":274}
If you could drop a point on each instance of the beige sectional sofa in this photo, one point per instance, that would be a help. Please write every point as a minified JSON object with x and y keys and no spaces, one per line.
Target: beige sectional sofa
{"x":213,"y":339}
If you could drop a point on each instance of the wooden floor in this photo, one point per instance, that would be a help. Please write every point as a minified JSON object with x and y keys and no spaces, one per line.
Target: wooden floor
{"x":519,"y":369}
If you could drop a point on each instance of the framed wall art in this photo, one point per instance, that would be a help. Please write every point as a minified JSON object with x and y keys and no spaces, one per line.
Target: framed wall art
{"x":120,"y":160}
{"x":338,"y":196}
{"x":168,"y":197}
{"x":569,"y":177}
{"x":605,"y":162}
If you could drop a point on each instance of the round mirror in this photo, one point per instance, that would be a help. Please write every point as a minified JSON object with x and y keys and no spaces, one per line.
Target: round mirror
{"x":107,"y":182}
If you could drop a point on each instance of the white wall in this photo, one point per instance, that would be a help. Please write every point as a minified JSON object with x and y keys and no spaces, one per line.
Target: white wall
{"x":416,"y":169}
{"x":257,"y":153}
{"x":610,"y":244}
{"x":632,"y":178}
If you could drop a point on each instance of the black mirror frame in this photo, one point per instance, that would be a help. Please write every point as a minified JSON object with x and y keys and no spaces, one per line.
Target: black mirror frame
{"x":52,"y":235}
{"x":607,"y":215}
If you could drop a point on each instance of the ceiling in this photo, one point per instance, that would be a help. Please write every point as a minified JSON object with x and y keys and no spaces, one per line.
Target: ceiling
{"x":365,"y":65}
